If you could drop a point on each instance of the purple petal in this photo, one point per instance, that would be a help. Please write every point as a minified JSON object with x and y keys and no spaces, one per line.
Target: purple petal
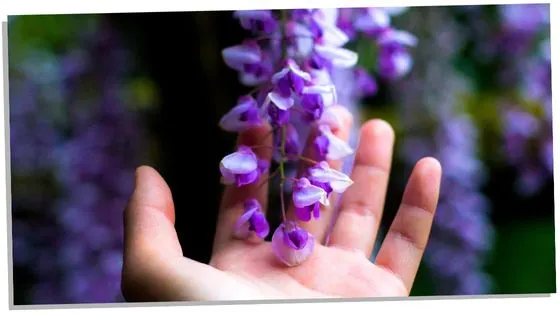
{"x":394,"y":64}
{"x":321,"y":145}
{"x":241,"y":228}
{"x":291,"y":244}
{"x":246,"y":179}
{"x":337,"y":148}
{"x":372,"y":21}
{"x":396,"y":37}
{"x":327,"y":93}
{"x":365,"y":83}
{"x":256,"y":20}
{"x":290,"y":78}
{"x":306,"y":194}
{"x":237,"y":56}
{"x":252,"y":220}
{"x":304,"y":213}
{"x":243,"y":116}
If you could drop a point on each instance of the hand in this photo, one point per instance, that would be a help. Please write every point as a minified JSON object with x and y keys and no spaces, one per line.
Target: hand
{"x":155,"y":269}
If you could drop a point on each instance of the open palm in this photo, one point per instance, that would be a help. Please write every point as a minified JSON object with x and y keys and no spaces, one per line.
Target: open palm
{"x":155,"y":269}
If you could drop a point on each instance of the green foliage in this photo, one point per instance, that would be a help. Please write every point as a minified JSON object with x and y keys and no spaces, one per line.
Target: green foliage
{"x":524,"y":258}
{"x":45,"y":32}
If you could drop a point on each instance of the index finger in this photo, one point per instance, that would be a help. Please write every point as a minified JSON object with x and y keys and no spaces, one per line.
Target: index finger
{"x":233,"y":197}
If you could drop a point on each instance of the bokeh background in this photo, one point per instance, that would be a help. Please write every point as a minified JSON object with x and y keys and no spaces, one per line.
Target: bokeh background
{"x":94,"y":96}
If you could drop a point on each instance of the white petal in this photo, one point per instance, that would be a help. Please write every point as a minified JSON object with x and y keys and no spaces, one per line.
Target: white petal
{"x":327,"y":16}
{"x":243,"y":163}
{"x":304,"y":39}
{"x":340,"y":57}
{"x":333,"y":36}
{"x":321,"y":77}
{"x":338,"y":148}
{"x":338,"y":181}
{"x":297,"y":71}
{"x":330,"y":118}
{"x":280,"y":101}
{"x":309,"y":196}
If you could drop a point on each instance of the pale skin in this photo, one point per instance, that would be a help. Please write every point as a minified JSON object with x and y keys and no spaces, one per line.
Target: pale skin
{"x":155,"y":269}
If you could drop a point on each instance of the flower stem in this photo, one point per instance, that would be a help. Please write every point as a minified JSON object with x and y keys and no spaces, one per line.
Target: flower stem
{"x":281,"y":169}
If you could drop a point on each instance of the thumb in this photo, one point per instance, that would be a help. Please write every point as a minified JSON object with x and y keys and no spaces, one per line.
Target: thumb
{"x":150,"y":239}
{"x":154,"y":268}
{"x":150,"y":216}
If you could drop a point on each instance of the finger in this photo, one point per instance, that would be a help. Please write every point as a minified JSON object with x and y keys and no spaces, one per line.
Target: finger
{"x":154,"y":269}
{"x":233,"y":197}
{"x":404,"y":244}
{"x":361,"y":207}
{"x":150,"y":240}
{"x":318,"y":226}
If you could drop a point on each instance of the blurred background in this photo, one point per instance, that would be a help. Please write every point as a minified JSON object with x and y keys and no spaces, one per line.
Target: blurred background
{"x":94,"y":96}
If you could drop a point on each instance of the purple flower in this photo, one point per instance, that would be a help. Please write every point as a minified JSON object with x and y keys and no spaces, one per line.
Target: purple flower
{"x":242,"y":167}
{"x":292,"y":145}
{"x":258,"y":21}
{"x":394,"y":59}
{"x":243,"y":116}
{"x":338,"y":57}
{"x":252,"y":220}
{"x":277,"y":107}
{"x":240,"y":56}
{"x":291,"y":244}
{"x":308,"y":199}
{"x":315,"y":98}
{"x":329,"y":179}
{"x":372,"y":21}
{"x":290,"y":79}
{"x":330,"y":146}
{"x":365,"y":83}
{"x":254,"y":66}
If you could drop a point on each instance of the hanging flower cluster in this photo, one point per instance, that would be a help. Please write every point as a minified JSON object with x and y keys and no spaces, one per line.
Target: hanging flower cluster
{"x":289,"y":60}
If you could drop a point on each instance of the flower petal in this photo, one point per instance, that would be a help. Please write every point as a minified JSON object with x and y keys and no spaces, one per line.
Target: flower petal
{"x":337,"y":148}
{"x":306,"y":194}
{"x":236,"y":56}
{"x":330,"y":118}
{"x":393,"y":36}
{"x":283,"y":103}
{"x":244,"y":115}
{"x":241,"y":162}
{"x":286,"y":252}
{"x":339,"y":57}
{"x":338,"y":181}
{"x":327,"y":92}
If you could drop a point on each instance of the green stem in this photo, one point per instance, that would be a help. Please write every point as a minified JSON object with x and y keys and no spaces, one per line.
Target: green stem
{"x":281,"y":168}
{"x":284,"y":19}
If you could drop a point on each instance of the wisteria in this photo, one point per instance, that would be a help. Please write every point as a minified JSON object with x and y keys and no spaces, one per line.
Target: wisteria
{"x":527,"y":124}
{"x":78,"y":244}
{"x":290,"y":60}
{"x":437,"y":124}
